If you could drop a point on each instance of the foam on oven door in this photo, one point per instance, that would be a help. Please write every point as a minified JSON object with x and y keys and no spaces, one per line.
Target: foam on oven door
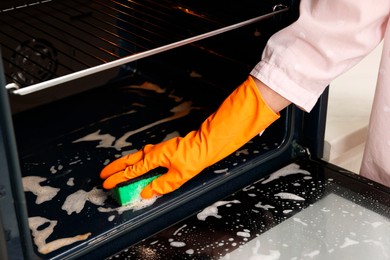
{"x":75,"y":138}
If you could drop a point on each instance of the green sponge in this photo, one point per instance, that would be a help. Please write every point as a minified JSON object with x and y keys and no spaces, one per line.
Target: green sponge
{"x":128,"y":192}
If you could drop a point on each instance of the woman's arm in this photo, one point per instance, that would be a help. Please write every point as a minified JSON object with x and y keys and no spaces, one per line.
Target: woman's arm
{"x":329,"y":38}
{"x":274,"y":100}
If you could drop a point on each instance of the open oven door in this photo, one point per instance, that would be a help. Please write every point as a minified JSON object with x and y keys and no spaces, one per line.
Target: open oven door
{"x":288,"y":205}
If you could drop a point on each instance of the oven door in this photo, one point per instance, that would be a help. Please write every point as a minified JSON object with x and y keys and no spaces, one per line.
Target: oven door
{"x":305,"y":210}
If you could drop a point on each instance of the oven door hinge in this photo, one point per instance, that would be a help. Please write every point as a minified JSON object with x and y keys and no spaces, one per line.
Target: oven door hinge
{"x":300,"y":151}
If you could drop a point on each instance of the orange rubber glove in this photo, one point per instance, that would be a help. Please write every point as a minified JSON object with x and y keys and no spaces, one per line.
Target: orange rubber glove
{"x":241,"y":116}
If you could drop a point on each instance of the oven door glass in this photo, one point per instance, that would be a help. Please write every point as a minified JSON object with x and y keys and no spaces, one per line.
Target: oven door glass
{"x":305,"y":210}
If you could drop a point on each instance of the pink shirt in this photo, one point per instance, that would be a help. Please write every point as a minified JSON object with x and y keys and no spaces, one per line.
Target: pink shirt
{"x":330,"y":37}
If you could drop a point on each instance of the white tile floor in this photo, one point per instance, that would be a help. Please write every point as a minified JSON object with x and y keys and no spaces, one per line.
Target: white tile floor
{"x":350,"y":101}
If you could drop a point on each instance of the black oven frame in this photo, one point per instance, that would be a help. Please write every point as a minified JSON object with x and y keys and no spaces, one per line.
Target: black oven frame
{"x":306,"y":136}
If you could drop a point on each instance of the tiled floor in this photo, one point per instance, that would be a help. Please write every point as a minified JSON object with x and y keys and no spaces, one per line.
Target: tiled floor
{"x":350,"y":101}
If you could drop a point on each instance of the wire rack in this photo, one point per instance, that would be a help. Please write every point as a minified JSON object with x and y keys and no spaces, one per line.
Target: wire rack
{"x":46,"y":40}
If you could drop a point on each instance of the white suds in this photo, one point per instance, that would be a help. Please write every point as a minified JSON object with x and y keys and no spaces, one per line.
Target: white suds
{"x":135,"y":205}
{"x":179,"y":111}
{"x":374,"y":224}
{"x":76,"y":201}
{"x":221,"y":171}
{"x":243,"y":151}
{"x":178,"y":244}
{"x":106,"y":162}
{"x":190,"y":251}
{"x":273,"y":255}
{"x":348,"y":242}
{"x":266,"y":207}
{"x":70,"y":182}
{"x":243,"y":234}
{"x":106,"y":140}
{"x":178,"y":230}
{"x":312,"y":254}
{"x":53,"y":169}
{"x":288,"y":170}
{"x":43,"y":193}
{"x":212,"y":211}
{"x":300,"y":221}
{"x":40,"y":235}
{"x":248,"y":188}
{"x":109,"y":141}
{"x":288,"y":196}
{"x":75,"y":162}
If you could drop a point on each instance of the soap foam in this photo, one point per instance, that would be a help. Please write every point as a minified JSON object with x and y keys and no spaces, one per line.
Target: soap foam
{"x":285,"y":171}
{"x":300,"y":221}
{"x":178,"y":244}
{"x":348,"y":242}
{"x":136,"y":204}
{"x":213,"y":209}
{"x":179,"y":111}
{"x":70,"y":182}
{"x":76,"y":201}
{"x":266,"y":207}
{"x":288,"y":196}
{"x":109,"y":141}
{"x":43,"y":193}
{"x":106,"y":140}
{"x":40,"y":235}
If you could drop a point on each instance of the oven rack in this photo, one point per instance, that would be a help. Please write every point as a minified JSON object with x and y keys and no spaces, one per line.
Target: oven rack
{"x":47,"y":43}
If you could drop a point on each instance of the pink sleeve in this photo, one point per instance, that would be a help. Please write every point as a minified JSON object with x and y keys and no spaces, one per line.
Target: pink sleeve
{"x":329,"y":37}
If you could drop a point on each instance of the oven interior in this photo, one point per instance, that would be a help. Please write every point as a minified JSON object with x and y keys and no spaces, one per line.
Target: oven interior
{"x":66,"y":133}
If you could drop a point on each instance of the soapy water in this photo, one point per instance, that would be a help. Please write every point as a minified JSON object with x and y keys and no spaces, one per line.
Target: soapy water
{"x":70,"y":182}
{"x":75,"y":202}
{"x":240,"y":231}
{"x":298,"y":220}
{"x":42,"y":192}
{"x":212,"y":211}
{"x":41,"y":235}
{"x":312,"y":233}
{"x":348,"y":242}
{"x":106,"y":140}
{"x":136,"y":204}
{"x":76,"y":194}
{"x":266,"y":207}
{"x":109,"y":141}
{"x":317,"y":234}
{"x":285,"y":171}
{"x":79,"y":195}
{"x":288,"y":196}
{"x":177,"y":232}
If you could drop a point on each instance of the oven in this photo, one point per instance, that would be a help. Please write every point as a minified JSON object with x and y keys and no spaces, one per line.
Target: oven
{"x":84,"y":82}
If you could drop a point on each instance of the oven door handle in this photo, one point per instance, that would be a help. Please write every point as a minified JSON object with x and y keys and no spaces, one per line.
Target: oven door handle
{"x":15,"y":89}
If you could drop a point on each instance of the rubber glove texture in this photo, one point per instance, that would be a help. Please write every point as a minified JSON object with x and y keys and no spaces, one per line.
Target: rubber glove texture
{"x":243,"y":115}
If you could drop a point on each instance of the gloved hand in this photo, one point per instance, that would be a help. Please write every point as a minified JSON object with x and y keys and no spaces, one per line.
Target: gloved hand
{"x":241,"y":116}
